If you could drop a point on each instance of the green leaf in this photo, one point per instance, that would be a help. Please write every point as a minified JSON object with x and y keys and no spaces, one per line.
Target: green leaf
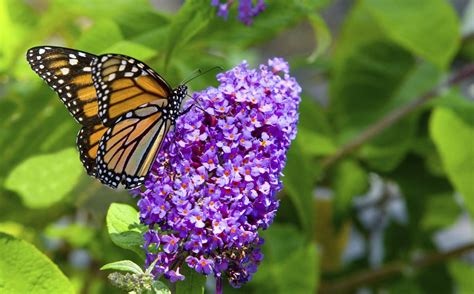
{"x":98,"y":38}
{"x":45,"y":179}
{"x":313,"y":116}
{"x":124,"y":227}
{"x":23,"y":102}
{"x":323,"y":36}
{"x":160,"y":288}
{"x":316,"y":144}
{"x":461,"y":105}
{"x":138,"y":51}
{"x":24,"y":269}
{"x":417,"y":186}
{"x":350,"y":180}
{"x":441,"y":211}
{"x":454,"y":139}
{"x":278,"y":16}
{"x":19,"y":19}
{"x":17,"y":230}
{"x":193,"y":17}
{"x":193,"y":283}
{"x":124,"y":266}
{"x":98,"y":9}
{"x":372,"y":77}
{"x":415,"y":25}
{"x":290,"y":264}
{"x":77,"y":235}
{"x":462,"y":273}
{"x":298,"y":184}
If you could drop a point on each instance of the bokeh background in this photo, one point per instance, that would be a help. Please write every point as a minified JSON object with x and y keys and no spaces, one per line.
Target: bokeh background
{"x":389,"y":210}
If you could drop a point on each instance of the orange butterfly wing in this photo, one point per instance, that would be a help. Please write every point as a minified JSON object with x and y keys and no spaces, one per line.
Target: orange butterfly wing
{"x":128,"y":148}
{"x":123,"y":84}
{"x":69,"y":73}
{"x":119,"y":102}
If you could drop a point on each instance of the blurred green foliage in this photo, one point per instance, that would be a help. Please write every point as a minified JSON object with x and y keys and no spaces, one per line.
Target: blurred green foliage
{"x":387,"y":53}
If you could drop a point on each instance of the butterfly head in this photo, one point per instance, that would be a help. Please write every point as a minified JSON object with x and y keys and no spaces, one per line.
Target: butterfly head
{"x":181,"y":91}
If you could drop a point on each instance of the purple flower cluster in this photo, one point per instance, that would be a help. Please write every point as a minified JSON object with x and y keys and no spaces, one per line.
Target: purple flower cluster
{"x":247,"y":9}
{"x":214,"y":183}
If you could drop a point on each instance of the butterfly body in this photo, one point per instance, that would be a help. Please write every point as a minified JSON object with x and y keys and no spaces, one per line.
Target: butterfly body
{"x":125,"y":109}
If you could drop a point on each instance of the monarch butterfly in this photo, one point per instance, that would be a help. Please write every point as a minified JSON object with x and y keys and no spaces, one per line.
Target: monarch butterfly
{"x":125,"y":109}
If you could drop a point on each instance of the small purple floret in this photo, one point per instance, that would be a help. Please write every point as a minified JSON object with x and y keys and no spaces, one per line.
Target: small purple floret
{"x":214,"y":183}
{"x":247,"y":9}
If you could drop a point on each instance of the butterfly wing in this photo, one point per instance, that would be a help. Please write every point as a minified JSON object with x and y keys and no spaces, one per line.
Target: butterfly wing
{"x":87,"y":142}
{"x":68,"y":72}
{"x":119,"y":102}
{"x":128,"y":149}
{"x":123,"y":84}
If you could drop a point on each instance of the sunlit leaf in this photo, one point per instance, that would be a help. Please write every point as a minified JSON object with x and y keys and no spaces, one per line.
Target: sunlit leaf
{"x":416,"y":26}
{"x":373,"y":76}
{"x":45,"y":179}
{"x":24,"y":269}
{"x":454,"y":140}
{"x":462,"y":272}
{"x":323,"y":36}
{"x":124,"y":227}
{"x":123,"y":265}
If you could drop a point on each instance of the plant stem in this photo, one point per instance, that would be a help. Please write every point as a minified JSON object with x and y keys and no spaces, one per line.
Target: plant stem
{"x":219,"y":285}
{"x":360,"y":279}
{"x":394,"y":116}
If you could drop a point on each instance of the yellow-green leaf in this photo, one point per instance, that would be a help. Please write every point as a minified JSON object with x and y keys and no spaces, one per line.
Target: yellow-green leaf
{"x":454,"y":139}
{"x":45,"y":179}
{"x":24,"y":269}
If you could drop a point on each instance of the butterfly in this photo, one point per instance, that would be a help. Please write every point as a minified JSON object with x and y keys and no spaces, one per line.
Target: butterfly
{"x":125,"y":109}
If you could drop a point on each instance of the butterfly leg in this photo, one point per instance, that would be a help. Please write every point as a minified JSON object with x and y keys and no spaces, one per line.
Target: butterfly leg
{"x":186,"y":110}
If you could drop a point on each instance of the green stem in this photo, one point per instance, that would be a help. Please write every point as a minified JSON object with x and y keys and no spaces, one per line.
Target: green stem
{"x":348,"y":284}
{"x":394,"y":116}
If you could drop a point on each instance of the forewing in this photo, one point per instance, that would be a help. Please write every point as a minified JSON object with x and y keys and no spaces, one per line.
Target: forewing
{"x":87,"y":141}
{"x":68,"y":72}
{"x":123,"y":84}
{"x":128,"y":149}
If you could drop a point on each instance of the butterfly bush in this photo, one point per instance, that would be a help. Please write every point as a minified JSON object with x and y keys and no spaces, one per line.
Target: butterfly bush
{"x":214,"y":183}
{"x":247,"y":9}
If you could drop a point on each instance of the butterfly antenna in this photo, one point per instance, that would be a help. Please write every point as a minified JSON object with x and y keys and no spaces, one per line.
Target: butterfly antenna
{"x":200,"y":73}
{"x":197,"y":104}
